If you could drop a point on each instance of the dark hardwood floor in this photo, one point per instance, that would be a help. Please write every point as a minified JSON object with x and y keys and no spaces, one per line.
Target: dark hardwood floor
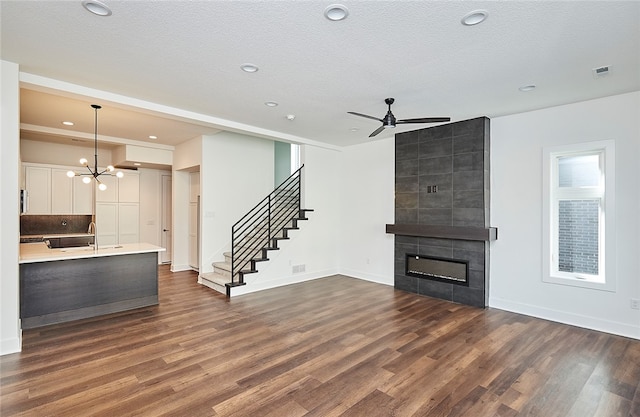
{"x":331,"y":347}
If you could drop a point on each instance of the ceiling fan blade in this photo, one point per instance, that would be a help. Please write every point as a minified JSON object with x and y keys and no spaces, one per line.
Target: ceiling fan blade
{"x":425,"y":120}
{"x":375,"y":132}
{"x":364,"y":115}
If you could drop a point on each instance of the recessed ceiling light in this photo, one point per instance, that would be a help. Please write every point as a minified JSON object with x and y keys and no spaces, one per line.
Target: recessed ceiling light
{"x":526,"y":88}
{"x":291,"y":117}
{"x":67,"y":123}
{"x":336,"y":12}
{"x":137,"y":164}
{"x":97,"y":7}
{"x":153,"y":137}
{"x":474,"y":17}
{"x":249,"y":67}
{"x":271,"y":104}
{"x":354,"y":129}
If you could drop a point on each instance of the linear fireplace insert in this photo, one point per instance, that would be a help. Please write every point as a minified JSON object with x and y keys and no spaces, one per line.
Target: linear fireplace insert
{"x":453,"y":271}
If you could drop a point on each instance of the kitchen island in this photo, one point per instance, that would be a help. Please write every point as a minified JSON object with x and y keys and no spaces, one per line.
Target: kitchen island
{"x":59,"y":285}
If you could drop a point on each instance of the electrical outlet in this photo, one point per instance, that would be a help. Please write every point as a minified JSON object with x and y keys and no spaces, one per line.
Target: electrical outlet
{"x":635,"y":304}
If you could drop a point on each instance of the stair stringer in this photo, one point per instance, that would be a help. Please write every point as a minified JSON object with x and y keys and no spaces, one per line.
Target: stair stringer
{"x":279,"y":270}
{"x":219,"y":278}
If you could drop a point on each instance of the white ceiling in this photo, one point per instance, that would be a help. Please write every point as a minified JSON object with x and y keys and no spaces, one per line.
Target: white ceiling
{"x":187,"y":55}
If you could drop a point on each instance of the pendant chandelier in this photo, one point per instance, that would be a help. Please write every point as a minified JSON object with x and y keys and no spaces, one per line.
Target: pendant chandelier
{"x":95,"y":173}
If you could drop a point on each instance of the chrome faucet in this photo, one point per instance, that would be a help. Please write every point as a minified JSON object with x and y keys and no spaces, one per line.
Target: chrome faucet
{"x":92,"y":228}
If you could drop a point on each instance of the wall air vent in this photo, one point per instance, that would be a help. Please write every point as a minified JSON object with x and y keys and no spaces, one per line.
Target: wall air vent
{"x":601,"y":71}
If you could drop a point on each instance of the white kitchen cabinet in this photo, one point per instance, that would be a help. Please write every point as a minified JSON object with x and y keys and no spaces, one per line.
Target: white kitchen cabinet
{"x":51,"y":191}
{"x":129,"y":188}
{"x":128,"y":223}
{"x":82,"y":197}
{"x":61,"y":192}
{"x":107,"y":223}
{"x":37,"y":182}
{"x":110,"y":195}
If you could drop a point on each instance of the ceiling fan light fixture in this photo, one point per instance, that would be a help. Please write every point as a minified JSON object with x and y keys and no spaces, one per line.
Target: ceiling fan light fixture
{"x":336,"y":12}
{"x":390,"y":121}
{"x":97,"y":7}
{"x":475,"y":17}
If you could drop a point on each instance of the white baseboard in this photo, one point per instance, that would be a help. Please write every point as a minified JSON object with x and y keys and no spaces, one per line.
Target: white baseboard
{"x":258,"y":284}
{"x":8,"y":346}
{"x":587,"y":322}
{"x":365,"y":276}
{"x":179,"y":268}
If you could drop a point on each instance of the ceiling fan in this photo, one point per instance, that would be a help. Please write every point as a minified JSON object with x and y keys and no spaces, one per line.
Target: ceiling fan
{"x":389,"y":119}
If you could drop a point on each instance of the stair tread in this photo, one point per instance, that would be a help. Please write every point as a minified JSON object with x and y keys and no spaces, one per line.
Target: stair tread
{"x":216,"y":278}
{"x":226,"y":266}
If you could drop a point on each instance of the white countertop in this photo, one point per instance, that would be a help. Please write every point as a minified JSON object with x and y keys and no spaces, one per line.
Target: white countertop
{"x":39,"y":252}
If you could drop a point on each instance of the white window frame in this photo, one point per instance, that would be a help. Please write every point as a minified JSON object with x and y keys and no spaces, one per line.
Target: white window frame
{"x":551,"y":195}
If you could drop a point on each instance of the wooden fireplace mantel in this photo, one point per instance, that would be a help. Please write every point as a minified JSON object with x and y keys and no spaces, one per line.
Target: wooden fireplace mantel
{"x":444,"y":232}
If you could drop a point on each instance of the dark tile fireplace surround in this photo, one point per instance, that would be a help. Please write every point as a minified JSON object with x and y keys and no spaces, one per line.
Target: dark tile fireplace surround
{"x":442,"y":208}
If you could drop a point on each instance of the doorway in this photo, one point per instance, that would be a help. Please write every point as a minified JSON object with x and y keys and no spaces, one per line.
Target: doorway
{"x":166,"y":240}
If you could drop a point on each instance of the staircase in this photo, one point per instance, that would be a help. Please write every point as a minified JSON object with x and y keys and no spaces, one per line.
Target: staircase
{"x":257,"y":233}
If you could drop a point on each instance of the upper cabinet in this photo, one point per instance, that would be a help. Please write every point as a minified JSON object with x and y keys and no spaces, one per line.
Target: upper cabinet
{"x":120,"y":190}
{"x":61,"y":192}
{"x":37,"y":181}
{"x":110,"y":195}
{"x":82,"y":197}
{"x":129,"y":188}
{"x":51,"y":191}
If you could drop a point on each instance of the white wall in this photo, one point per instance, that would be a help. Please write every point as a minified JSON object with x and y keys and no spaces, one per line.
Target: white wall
{"x":10,"y":334}
{"x":316,"y":244}
{"x":516,"y":209}
{"x":236,"y":173}
{"x":61,"y":154}
{"x":367,"y":190}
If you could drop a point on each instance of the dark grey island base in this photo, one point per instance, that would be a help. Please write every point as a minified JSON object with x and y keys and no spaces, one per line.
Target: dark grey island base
{"x":71,"y":289}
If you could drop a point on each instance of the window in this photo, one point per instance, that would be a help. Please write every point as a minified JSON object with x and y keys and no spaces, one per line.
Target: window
{"x":578,"y":217}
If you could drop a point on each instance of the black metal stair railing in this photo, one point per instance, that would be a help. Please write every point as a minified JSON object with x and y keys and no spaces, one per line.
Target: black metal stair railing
{"x":258,"y":231}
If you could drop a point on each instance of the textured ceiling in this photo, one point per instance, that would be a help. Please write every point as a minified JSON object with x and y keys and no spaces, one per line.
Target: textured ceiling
{"x":187,"y":55}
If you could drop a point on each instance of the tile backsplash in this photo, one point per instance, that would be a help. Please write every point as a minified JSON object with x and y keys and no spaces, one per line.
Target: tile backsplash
{"x":32,"y":224}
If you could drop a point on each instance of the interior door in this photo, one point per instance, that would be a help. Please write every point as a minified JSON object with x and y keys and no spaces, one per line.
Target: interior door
{"x":166,"y":240}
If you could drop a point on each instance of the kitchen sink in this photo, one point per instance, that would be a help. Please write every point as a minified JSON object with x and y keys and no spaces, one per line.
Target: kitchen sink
{"x":69,"y":241}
